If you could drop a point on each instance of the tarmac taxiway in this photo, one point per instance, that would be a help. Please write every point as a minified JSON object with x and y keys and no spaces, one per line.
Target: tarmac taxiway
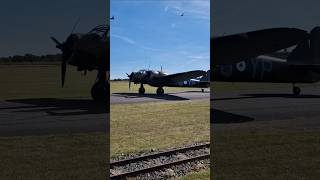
{"x":267,"y":109}
{"x":43,"y":116}
{"x":127,"y":98}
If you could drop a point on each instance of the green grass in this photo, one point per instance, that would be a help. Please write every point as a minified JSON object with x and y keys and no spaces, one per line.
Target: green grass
{"x":123,"y":87}
{"x":140,"y":127}
{"x":266,"y":155}
{"x":201,"y":175}
{"x":78,"y":156}
{"x":68,"y":156}
{"x":38,"y":81}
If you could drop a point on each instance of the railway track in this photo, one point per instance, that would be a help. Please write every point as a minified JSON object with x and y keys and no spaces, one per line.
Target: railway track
{"x":159,"y":161}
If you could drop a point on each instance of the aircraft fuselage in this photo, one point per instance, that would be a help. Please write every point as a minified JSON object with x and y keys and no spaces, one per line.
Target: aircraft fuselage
{"x":264,"y":69}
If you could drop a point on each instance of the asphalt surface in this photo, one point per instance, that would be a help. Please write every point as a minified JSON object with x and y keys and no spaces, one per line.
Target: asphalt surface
{"x":274,"y":108}
{"x":52,"y":116}
{"x":127,"y":98}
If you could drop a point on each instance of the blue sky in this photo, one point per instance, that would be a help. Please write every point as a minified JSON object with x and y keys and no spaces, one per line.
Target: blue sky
{"x":234,"y":16}
{"x":148,"y":34}
{"x":26,"y":26}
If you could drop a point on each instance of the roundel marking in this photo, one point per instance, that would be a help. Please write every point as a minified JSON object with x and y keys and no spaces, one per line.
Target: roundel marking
{"x":241,"y":66}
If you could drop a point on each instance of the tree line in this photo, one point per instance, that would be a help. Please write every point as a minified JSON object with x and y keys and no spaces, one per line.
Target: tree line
{"x":31,"y":58}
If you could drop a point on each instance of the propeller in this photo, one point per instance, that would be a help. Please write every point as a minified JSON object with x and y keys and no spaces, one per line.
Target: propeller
{"x":59,"y":44}
{"x":130,"y":79}
{"x":63,"y":48}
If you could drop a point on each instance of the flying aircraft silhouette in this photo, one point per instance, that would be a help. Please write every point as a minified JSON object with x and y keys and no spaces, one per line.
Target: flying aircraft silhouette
{"x":88,"y":51}
{"x":160,"y":79}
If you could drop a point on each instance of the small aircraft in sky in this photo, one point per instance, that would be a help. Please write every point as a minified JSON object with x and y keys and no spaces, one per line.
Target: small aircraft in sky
{"x":301,"y":65}
{"x":88,"y":51}
{"x":160,"y":79}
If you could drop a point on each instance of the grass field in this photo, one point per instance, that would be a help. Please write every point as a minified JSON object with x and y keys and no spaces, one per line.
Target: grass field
{"x":140,"y":127}
{"x":64,"y":156}
{"x":201,"y":175}
{"x":38,"y":81}
{"x":78,"y":156}
{"x":258,"y":154}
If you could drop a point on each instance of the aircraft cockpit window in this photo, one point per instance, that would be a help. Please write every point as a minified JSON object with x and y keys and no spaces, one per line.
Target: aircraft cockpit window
{"x":142,"y":71}
{"x":101,"y":30}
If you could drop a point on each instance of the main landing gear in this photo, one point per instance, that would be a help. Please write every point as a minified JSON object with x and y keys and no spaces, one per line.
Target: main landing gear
{"x":141,"y":89}
{"x":160,"y":91}
{"x":100,"y":89}
{"x":296,"y":90}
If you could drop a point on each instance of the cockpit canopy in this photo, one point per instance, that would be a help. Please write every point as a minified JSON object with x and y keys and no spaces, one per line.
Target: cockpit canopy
{"x":101,"y":30}
{"x":144,"y":71}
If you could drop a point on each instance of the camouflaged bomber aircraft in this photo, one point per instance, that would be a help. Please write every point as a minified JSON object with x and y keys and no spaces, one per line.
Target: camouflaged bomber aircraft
{"x":88,"y":51}
{"x":160,"y":79}
{"x":301,"y":65}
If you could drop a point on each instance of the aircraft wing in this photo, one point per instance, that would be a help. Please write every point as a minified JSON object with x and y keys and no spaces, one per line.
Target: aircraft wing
{"x":311,"y":67}
{"x":180,"y":77}
{"x":234,"y":48}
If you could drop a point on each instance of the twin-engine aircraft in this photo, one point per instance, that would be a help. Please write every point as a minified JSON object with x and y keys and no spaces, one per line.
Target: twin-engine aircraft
{"x":160,"y":79}
{"x":301,"y":65}
{"x":234,"y":48}
{"x":88,"y":51}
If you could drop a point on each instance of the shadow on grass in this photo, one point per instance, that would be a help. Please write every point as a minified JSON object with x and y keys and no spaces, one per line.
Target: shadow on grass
{"x":52,"y":106}
{"x":222,"y":117}
{"x":154,"y":96}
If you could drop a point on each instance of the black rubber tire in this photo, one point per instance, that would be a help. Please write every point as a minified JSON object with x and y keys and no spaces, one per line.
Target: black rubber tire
{"x":296,"y":91}
{"x":160,"y":91}
{"x":142,"y":90}
{"x":99,"y":91}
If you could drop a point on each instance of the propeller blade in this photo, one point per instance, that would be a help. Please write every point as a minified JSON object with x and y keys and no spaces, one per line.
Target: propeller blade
{"x":58,"y":43}
{"x":63,"y":71}
{"x":129,"y":76}
{"x":55,"y":40}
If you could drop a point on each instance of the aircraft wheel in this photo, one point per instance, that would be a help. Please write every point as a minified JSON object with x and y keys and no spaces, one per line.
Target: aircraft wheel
{"x":296,"y":91}
{"x":202,"y":90}
{"x":160,"y":91}
{"x":142,"y":90}
{"x":99,"y":91}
